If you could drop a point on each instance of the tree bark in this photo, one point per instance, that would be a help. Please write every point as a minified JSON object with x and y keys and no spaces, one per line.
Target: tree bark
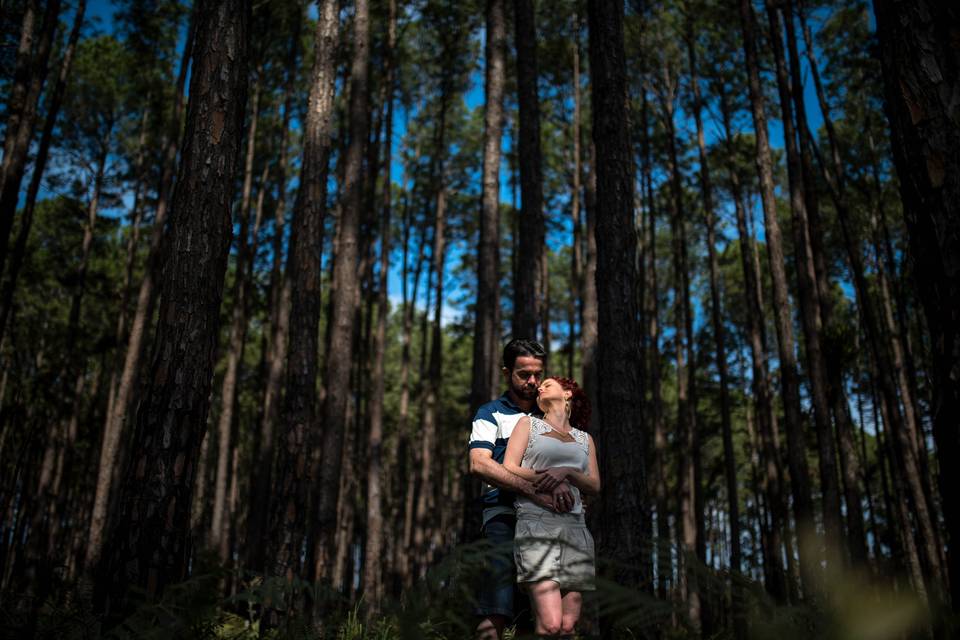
{"x":576,"y":259}
{"x":150,"y":546}
{"x":653,"y":368}
{"x":290,"y":512}
{"x":719,"y":334}
{"x":623,"y":507}
{"x":236,"y":340}
{"x":486,"y":332}
{"x":688,"y":484}
{"x":261,"y":482}
{"x":373,"y":569}
{"x":30,"y":73}
{"x":921,"y":68}
{"x":529,"y":285}
{"x":772,"y":478}
{"x":790,"y":386}
{"x":146,"y":296}
{"x":589,"y":314}
{"x":39,"y":165}
{"x":339,"y":359}
{"x":810,"y":317}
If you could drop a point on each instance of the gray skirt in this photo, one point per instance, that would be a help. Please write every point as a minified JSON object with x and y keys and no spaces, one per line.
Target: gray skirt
{"x":556,"y":547}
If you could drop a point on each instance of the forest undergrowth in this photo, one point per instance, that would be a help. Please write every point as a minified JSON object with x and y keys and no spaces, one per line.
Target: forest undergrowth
{"x":438,"y":606}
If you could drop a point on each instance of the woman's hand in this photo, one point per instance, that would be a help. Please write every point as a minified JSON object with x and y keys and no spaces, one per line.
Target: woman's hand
{"x":548,"y":479}
{"x":562,"y":498}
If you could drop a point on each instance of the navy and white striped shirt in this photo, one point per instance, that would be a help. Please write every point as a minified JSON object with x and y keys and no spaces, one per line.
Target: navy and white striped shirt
{"x":492,"y":426}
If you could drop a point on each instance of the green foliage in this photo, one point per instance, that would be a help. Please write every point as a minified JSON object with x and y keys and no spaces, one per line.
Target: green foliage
{"x":854,"y":606}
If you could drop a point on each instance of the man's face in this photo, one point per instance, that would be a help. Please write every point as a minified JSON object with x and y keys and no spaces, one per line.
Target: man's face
{"x":525,"y":377}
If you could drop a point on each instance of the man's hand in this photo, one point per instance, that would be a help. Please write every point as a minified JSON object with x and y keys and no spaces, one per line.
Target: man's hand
{"x":544,"y":501}
{"x":562,"y":498}
{"x":550,"y":479}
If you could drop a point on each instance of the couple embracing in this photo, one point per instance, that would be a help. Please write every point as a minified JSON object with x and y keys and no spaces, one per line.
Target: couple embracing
{"x":530,"y":448}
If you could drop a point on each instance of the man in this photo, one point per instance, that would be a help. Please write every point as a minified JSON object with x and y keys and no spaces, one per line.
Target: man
{"x":523,"y":371}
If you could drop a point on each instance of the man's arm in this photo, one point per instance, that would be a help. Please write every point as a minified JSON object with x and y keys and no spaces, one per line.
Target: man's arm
{"x":483,"y":465}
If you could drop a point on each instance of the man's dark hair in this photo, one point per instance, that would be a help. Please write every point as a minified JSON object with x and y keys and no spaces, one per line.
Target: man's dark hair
{"x":521,"y":347}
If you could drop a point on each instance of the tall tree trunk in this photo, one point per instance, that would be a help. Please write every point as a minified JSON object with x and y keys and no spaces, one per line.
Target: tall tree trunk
{"x":486,"y":334}
{"x":689,"y":497}
{"x":133,"y":243}
{"x":589,"y":314}
{"x":290,"y":512}
{"x":236,"y":341}
{"x":719,"y":333}
{"x":146,"y":297}
{"x":487,"y":369}
{"x":789,"y":382}
{"x":261,"y":482}
{"x":810,"y":317}
{"x":39,"y":165}
{"x":426,"y":502}
{"x":653,"y":367}
{"x":529,"y":285}
{"x":343,"y":295}
{"x":849,"y":466}
{"x":30,"y":72}
{"x":373,"y":569}
{"x":772,"y":481}
{"x":623,"y":507}
{"x":576,"y":259}
{"x":150,"y":546}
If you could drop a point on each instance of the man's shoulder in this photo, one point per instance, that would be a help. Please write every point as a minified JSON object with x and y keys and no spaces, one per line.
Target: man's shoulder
{"x":498,"y":408}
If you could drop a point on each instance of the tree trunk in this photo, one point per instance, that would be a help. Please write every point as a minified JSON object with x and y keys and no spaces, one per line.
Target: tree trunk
{"x":39,"y":165}
{"x":289,"y":514}
{"x":576,"y":259}
{"x":426,"y":502}
{"x":529,"y":286}
{"x":623,"y":507}
{"x":589,"y":314}
{"x":115,"y":420}
{"x":30,"y":72}
{"x":810,"y":317}
{"x":790,"y":386}
{"x":343,"y":295}
{"x":653,"y":368}
{"x":486,"y":341}
{"x":716,"y":318}
{"x":848,"y":462}
{"x":261,"y":482}
{"x":486,"y":332}
{"x":236,"y":341}
{"x":772,"y":479}
{"x":373,"y":569}
{"x":689,"y":498}
{"x":150,"y":546}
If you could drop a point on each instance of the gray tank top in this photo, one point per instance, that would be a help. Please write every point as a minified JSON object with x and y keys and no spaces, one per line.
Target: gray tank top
{"x":545,"y":451}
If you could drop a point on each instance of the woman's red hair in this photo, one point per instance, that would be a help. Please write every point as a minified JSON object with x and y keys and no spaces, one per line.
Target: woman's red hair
{"x":579,"y":402}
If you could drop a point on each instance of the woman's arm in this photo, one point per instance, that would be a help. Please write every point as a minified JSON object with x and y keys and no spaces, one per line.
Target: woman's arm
{"x":588,"y":483}
{"x":516,"y":446}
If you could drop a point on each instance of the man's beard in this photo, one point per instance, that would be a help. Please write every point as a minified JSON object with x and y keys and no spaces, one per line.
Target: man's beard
{"x":527,"y":392}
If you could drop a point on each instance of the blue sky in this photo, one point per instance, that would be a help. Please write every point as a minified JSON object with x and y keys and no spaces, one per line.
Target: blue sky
{"x":100,"y":15}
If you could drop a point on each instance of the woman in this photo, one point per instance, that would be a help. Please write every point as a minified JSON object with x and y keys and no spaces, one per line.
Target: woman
{"x":553,"y":550}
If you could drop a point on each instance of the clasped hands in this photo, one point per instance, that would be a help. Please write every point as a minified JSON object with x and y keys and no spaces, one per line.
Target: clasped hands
{"x":553,"y":481}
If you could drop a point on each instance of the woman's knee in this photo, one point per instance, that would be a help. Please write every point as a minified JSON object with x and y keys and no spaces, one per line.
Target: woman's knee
{"x":568,"y":624}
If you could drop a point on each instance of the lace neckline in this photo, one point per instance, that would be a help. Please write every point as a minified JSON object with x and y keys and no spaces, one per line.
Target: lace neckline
{"x":572,"y":434}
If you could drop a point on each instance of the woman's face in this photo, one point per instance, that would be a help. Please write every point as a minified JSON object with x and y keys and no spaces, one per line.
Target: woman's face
{"x":549,"y":391}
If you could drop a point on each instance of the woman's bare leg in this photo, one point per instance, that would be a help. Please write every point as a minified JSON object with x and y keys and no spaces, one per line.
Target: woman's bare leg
{"x":571,"y":603}
{"x":547,"y":607}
